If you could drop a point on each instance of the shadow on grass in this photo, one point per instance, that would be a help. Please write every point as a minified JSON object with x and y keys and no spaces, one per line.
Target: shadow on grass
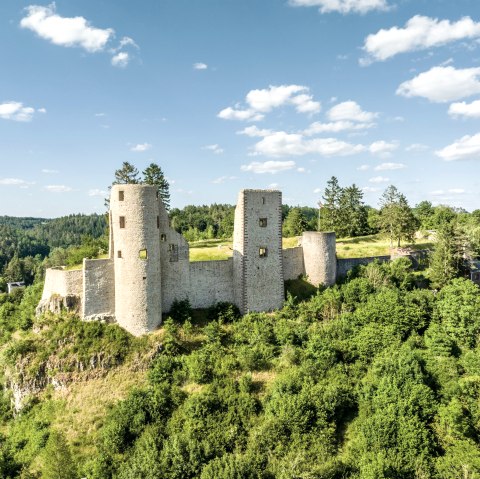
{"x":300,"y":289}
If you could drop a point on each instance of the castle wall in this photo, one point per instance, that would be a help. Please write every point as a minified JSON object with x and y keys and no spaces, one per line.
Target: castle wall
{"x":345,"y":265}
{"x":293,"y":265}
{"x":175,"y":262}
{"x":63,"y":283}
{"x":319,"y":256}
{"x":258,"y":258}
{"x":136,"y":256}
{"x":211,"y":282}
{"x":98,"y":289}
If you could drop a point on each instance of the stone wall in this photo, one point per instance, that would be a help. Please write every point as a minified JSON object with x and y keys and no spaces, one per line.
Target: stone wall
{"x":98,"y":289}
{"x":293,"y":265}
{"x":63,"y":283}
{"x":345,"y":265}
{"x":211,"y":282}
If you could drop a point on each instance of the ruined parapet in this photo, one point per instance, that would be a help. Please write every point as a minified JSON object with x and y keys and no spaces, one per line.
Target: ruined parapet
{"x":135,"y":248}
{"x":257,"y":251}
{"x":319,"y":257}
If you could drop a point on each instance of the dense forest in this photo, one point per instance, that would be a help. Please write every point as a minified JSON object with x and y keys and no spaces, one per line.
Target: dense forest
{"x":377,"y":377}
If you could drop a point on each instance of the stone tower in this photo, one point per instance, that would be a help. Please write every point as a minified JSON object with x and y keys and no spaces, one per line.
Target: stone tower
{"x":135,"y":249}
{"x":257,"y":251}
{"x":319,"y":257}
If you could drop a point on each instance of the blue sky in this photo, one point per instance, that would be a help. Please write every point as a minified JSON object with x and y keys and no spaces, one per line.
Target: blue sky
{"x":231,"y":94}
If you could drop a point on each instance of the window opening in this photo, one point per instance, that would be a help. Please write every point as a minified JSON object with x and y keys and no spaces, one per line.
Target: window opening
{"x":142,"y":254}
{"x":122,"y":221}
{"x":163,"y":237}
{"x":262,"y":222}
{"x":121,"y":195}
{"x":263,"y":200}
{"x":262,"y":252}
{"x":158,"y":221}
{"x":173,"y":250}
{"x":119,"y":254}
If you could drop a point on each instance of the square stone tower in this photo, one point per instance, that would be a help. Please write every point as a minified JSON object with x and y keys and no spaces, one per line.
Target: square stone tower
{"x":257,"y":251}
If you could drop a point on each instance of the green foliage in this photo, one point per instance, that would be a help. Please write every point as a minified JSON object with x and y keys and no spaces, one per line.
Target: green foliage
{"x":153,"y":175}
{"x":295,"y":223}
{"x":181,"y":311}
{"x":57,"y":458}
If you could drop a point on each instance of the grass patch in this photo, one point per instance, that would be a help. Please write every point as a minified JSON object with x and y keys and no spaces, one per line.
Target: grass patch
{"x":300,"y":288}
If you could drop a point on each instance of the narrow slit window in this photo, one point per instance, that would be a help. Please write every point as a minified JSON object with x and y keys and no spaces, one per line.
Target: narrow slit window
{"x":121,"y":195}
{"x":158,"y":221}
{"x":163,"y":237}
{"x":262,"y":252}
{"x":142,"y":254}
{"x":262,"y":222}
{"x":173,"y":250}
{"x":119,"y":254}
{"x":122,"y":221}
{"x":157,"y":194}
{"x":263,"y":200}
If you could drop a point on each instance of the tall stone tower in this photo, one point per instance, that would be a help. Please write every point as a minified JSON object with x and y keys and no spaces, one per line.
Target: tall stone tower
{"x":135,"y":249}
{"x":257,"y":251}
{"x":319,"y":257}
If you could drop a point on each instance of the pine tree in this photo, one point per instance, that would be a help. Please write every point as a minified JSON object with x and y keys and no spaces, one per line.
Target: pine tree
{"x":295,"y":223}
{"x":127,"y":174}
{"x":153,"y":175}
{"x":353,"y":213}
{"x":58,"y":462}
{"x":330,"y":209}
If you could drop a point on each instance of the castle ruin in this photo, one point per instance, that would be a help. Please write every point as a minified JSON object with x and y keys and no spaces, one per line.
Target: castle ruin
{"x":148,"y":267}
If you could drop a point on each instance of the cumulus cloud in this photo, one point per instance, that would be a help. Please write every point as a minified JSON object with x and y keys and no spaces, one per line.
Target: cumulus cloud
{"x":14,"y":110}
{"x":280,"y":143}
{"x":383,"y":148}
{"x":416,"y":147}
{"x":419,"y":33}
{"x":67,"y":32}
{"x":265,"y":100}
{"x":442,"y":84}
{"x":379,"y":179}
{"x":390,"y":166}
{"x":200,"y":66}
{"x":120,"y":60}
{"x":468,"y":110}
{"x":97,"y":192}
{"x":214,"y":148}
{"x":335,"y":127}
{"x":363,"y":167}
{"x":466,"y":148}
{"x":15,"y":182}
{"x":350,"y":111}
{"x":254,"y":131}
{"x":141,"y":147}
{"x":58,"y":188}
{"x":342,"y":6}
{"x":49,"y":172}
{"x":268,"y":166}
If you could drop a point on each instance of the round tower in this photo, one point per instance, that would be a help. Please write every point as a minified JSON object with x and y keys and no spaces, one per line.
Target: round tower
{"x":319,"y":257}
{"x":135,"y":248}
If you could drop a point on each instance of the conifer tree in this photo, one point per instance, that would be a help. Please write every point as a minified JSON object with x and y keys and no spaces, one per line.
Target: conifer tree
{"x":58,"y":462}
{"x":127,"y":174}
{"x":330,"y":208}
{"x":153,"y":175}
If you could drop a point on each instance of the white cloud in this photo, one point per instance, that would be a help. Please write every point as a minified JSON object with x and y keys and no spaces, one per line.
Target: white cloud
{"x":370,"y":189}
{"x":335,"y":127}
{"x":14,"y":110}
{"x":100,"y":114}
{"x":15,"y":182}
{"x":254,"y":131}
{"x":222,"y":179}
{"x":230,"y":113}
{"x":469,"y":110}
{"x":67,"y":32}
{"x":466,"y":148}
{"x":342,"y":6}
{"x":383,"y":148}
{"x":416,"y":147}
{"x":214,"y":148}
{"x":419,"y":33}
{"x":281,"y":143}
{"x":49,"y":172}
{"x":127,"y":41}
{"x":350,"y":110}
{"x":58,"y":188}
{"x":273,"y":186}
{"x":442,"y":84}
{"x":301,"y":169}
{"x":97,"y":192}
{"x":141,"y":147}
{"x":265,"y":100}
{"x":379,"y":179}
{"x":121,"y":59}
{"x":42,"y":110}
{"x":200,"y":66}
{"x":268,"y":166}
{"x":452,"y":191}
{"x":390,"y":166}
{"x":317,"y":190}
{"x":363,"y":167}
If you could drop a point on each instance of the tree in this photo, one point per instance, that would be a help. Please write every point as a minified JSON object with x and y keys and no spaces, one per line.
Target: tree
{"x":58,"y":462}
{"x":396,"y":218}
{"x":447,"y":261}
{"x":153,"y":175}
{"x":127,"y":174}
{"x":330,"y":209}
{"x":295,"y":223}
{"x":424,"y":212}
{"x":353,"y":214}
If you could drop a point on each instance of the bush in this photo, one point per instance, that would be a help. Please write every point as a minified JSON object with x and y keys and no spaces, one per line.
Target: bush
{"x":181,"y":311}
